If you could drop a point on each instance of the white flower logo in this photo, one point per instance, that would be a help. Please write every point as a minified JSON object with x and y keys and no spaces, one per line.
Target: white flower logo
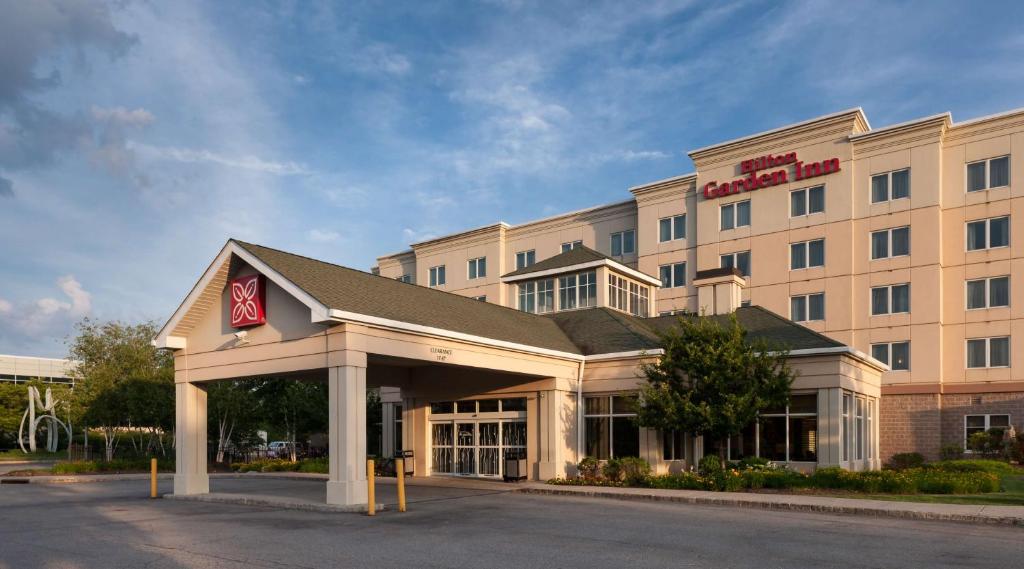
{"x":243,"y":295}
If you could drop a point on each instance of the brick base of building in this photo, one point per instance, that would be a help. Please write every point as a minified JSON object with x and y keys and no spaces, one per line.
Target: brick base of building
{"x":924,"y":423}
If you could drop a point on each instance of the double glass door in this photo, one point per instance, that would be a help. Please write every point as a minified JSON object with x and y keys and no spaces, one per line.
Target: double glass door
{"x":476,"y":447}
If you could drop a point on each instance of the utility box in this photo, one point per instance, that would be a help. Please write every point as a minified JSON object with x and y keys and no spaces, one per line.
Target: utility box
{"x":515,"y":469}
{"x":407,"y":461}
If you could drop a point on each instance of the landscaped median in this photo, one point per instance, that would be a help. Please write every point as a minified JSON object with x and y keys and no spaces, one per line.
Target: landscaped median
{"x":115,"y":466}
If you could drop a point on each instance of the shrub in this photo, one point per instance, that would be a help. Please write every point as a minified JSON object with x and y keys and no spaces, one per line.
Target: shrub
{"x":679,"y":481}
{"x":112,"y":466}
{"x":951,"y":451}
{"x":754,"y":463}
{"x":631,"y":470}
{"x":905,"y":460}
{"x":976,"y":465}
{"x":588,"y":468}
{"x":315,"y":465}
{"x":709,"y":465}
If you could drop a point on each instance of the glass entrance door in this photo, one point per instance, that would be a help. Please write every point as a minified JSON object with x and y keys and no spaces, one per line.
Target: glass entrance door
{"x":465,"y":448}
{"x":488,"y":449}
{"x":474,"y":438}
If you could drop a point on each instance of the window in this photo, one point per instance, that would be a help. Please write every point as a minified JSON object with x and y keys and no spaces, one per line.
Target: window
{"x":807,"y":307}
{"x":791,"y":433}
{"x":890,"y":243}
{"x":807,"y":201}
{"x":898,"y":182}
{"x":845,"y":425}
{"x":673,"y":445}
{"x":739,"y":260}
{"x":896,"y":355}
{"x":672,"y":228}
{"x":577,"y":291}
{"x":482,"y":298}
{"x":398,"y":428}
{"x":437,"y":275}
{"x":571,"y":245}
{"x":611,"y":430}
{"x":988,"y":233}
{"x":478,"y":268}
{"x":628,"y":296}
{"x":983,"y":423}
{"x":988,"y":293}
{"x":988,"y":352}
{"x":537,"y":296}
{"x":986,"y":174}
{"x":525,"y":259}
{"x":623,"y":243}
{"x":736,"y":215}
{"x":807,"y":254}
{"x":672,"y":276}
{"x":892,"y":299}
{"x":404,"y":278}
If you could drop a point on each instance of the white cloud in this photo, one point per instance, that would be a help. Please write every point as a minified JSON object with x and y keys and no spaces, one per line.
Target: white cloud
{"x":123,"y":116}
{"x":47,"y":317}
{"x":323,"y":235}
{"x":189,"y":155}
{"x":5,"y":306}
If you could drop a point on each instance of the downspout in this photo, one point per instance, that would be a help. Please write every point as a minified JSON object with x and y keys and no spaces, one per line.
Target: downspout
{"x":579,"y":412}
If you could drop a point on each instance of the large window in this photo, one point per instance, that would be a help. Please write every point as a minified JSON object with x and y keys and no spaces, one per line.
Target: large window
{"x":983,"y":423}
{"x":673,"y":445}
{"x":537,"y":296}
{"x":672,"y":228}
{"x":807,"y":201}
{"x":628,"y":296}
{"x":890,"y":243}
{"x":988,"y":293}
{"x":437,"y":275}
{"x":892,"y":299}
{"x":477,"y":268}
{"x":623,"y":243}
{"x":890,"y":186}
{"x":525,"y":259}
{"x":791,"y":433}
{"x":988,"y":233}
{"x":739,"y":260}
{"x":735,"y":215}
{"x":991,"y":173}
{"x":577,"y":291}
{"x":611,"y":430}
{"x":988,"y":352}
{"x":672,"y":276}
{"x":894,"y":354}
{"x":807,"y":254}
{"x":570,"y":245}
{"x":807,"y":307}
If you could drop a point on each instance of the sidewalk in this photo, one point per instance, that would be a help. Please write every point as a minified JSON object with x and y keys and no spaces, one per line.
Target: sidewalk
{"x":1004,"y":515}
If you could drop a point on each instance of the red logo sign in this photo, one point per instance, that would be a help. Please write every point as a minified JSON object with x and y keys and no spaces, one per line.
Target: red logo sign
{"x":248,"y":301}
{"x":755,"y":180}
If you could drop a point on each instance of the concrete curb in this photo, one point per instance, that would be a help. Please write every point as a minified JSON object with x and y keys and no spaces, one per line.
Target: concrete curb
{"x":267,"y":501}
{"x":852,"y":506}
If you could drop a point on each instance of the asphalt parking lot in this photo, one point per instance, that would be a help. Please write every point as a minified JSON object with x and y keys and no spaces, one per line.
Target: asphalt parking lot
{"x":113,"y":524}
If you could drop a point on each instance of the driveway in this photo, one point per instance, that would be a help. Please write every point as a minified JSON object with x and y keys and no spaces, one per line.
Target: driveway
{"x":112,"y":524}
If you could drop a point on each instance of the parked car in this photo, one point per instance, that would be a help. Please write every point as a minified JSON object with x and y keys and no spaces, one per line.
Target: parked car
{"x":282,"y":449}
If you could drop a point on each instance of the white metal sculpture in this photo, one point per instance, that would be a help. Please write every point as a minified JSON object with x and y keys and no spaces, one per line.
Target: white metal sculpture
{"x":50,"y":415}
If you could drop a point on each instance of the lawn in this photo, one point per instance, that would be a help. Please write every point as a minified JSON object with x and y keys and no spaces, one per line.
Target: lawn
{"x":16,"y":455}
{"x":1012,"y":495}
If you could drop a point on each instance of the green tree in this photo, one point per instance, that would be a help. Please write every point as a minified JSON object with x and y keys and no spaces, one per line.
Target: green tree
{"x":122,"y":380}
{"x":297,"y":406}
{"x":232,"y":412}
{"x":712,"y":380}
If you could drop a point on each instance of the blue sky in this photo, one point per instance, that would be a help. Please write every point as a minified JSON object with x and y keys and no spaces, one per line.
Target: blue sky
{"x":137,"y":137}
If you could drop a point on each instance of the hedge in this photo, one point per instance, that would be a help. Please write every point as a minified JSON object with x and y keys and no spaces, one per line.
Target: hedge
{"x":116,"y":465}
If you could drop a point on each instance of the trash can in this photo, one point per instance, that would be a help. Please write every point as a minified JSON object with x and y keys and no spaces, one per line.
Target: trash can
{"x":407,"y":460}
{"x":515,"y":467}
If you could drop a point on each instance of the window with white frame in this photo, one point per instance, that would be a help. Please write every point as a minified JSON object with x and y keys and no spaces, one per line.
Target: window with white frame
{"x":990,"y":173}
{"x":896,"y":355}
{"x":610,"y":425}
{"x":807,"y":201}
{"x":672,"y":275}
{"x":577,"y":291}
{"x":672,"y":228}
{"x":735,"y":215}
{"x":628,"y":296}
{"x":988,"y":233}
{"x":673,"y":445}
{"x":890,"y":299}
{"x":739,"y":260}
{"x":983,"y":423}
{"x":988,"y":352}
{"x":791,"y":433}
{"x":570,"y":245}
{"x":623,"y":243}
{"x":437,"y":275}
{"x":477,"y":268}
{"x":890,"y":186}
{"x":845,"y":426}
{"x":890,"y":243}
{"x":807,"y":254}
{"x":992,"y":292}
{"x":525,"y":259}
{"x":404,"y":278}
{"x":806,"y":307}
{"x":537,"y":296}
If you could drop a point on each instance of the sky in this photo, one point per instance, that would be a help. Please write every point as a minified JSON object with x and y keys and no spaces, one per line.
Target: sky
{"x":137,"y":137}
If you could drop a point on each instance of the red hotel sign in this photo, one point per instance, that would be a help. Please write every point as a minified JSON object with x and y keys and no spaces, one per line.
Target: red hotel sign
{"x":754,"y":181}
{"x":248,"y":301}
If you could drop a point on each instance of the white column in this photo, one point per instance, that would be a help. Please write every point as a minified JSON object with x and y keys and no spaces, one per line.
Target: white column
{"x":190,"y":475}
{"x":347,"y":439}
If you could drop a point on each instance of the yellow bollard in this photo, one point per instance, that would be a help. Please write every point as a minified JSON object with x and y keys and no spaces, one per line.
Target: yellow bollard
{"x":152,"y":478}
{"x":371,"y":507}
{"x":400,"y":470}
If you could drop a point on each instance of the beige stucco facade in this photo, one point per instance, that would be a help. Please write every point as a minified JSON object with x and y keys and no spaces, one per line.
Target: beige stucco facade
{"x":936,"y":329}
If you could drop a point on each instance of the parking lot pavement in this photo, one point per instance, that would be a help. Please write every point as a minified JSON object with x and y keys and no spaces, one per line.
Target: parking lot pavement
{"x":112,"y":525}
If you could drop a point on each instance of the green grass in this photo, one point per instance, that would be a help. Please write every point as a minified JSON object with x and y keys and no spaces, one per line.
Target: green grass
{"x":1011,"y":495}
{"x":16,"y":455}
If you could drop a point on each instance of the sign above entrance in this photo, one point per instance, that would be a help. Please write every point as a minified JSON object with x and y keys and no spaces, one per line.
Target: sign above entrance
{"x":248,"y":301}
{"x":755,"y":181}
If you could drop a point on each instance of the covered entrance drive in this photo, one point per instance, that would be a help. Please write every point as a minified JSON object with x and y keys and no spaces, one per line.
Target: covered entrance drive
{"x":468,"y":401}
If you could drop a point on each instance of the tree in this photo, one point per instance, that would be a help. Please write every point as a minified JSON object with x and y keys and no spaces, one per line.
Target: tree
{"x":712,"y":380}
{"x":114,"y":362}
{"x":231,"y":409}
{"x":298,"y":406}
